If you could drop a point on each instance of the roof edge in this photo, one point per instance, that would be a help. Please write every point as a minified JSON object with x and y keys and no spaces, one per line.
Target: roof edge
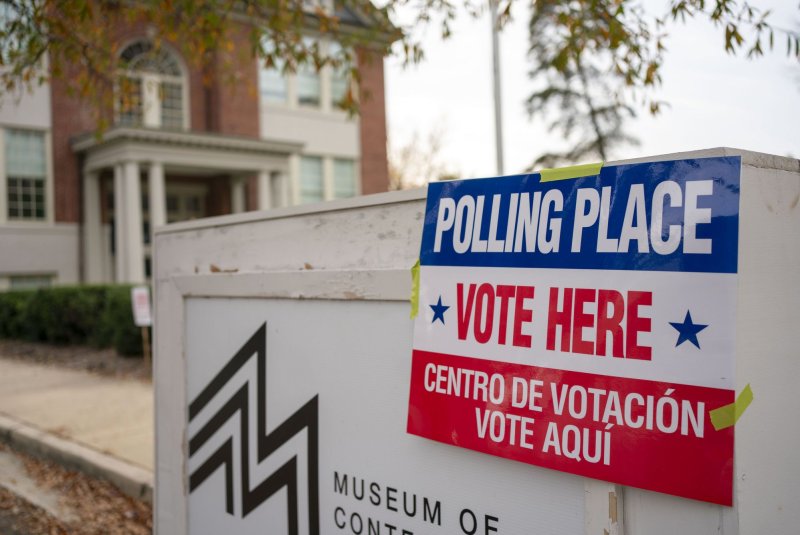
{"x":90,"y":140}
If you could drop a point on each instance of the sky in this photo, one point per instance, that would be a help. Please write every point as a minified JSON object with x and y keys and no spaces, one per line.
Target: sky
{"x":714,"y":99}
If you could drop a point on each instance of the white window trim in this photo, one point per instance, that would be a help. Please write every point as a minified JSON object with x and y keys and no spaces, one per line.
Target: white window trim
{"x":151,"y":107}
{"x":49,"y":188}
{"x":158,"y":78}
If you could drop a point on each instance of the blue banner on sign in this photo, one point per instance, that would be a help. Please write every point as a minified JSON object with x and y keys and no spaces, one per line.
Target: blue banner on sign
{"x":678,"y":215}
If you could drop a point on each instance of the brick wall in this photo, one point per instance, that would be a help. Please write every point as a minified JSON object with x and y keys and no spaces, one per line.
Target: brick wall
{"x":234,"y":102}
{"x":70,"y":116}
{"x":218,"y":201}
{"x":199,"y":98}
{"x":251,"y":193}
{"x":374,"y":165}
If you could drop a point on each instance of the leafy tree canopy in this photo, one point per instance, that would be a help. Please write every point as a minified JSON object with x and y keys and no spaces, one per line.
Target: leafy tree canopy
{"x":596,"y":62}
{"x":80,"y":39}
{"x":574,"y":43}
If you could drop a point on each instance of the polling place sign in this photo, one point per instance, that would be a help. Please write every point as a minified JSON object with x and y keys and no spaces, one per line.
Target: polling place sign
{"x":585,"y":325}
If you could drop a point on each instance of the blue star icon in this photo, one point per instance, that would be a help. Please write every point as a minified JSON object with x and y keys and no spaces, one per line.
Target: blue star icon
{"x":438,"y":311}
{"x":687,"y":331}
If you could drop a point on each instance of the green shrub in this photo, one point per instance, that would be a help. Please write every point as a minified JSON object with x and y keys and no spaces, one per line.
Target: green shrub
{"x":100,"y":316}
{"x":13,"y":309}
{"x":128,"y":340}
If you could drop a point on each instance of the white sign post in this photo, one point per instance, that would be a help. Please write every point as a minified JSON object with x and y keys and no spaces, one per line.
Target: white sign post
{"x":284,"y":378}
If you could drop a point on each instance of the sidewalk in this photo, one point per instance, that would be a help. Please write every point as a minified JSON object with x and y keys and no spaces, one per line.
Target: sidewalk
{"x":100,"y":424}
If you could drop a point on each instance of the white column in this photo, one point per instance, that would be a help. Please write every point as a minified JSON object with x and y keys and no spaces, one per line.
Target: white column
{"x":237,"y":194}
{"x":327,"y":179}
{"x":280,"y":188}
{"x":92,"y":231}
{"x":294,"y":180}
{"x":325,"y":89}
{"x":157,"y":197}
{"x":133,"y":223}
{"x":264,"y":191}
{"x":120,"y":256}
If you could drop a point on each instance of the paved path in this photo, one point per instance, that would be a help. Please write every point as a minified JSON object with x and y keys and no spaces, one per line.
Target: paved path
{"x":113,"y":416}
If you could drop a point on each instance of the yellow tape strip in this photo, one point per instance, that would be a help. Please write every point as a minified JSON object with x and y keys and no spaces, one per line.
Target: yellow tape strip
{"x":728,"y":415}
{"x":567,"y":173}
{"x":415,"y":290}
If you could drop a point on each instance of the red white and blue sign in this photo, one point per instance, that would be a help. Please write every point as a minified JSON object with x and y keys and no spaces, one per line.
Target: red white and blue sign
{"x":584,"y":325}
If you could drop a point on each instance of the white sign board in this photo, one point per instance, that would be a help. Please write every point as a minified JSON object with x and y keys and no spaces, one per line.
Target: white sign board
{"x":283,"y":435}
{"x":140,"y":302}
{"x":282,"y":384}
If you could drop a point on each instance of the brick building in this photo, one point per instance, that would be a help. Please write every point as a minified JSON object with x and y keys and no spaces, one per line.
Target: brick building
{"x":78,"y":208}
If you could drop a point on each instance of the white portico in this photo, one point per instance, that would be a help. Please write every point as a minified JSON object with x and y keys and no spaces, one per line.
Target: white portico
{"x":137,"y":179}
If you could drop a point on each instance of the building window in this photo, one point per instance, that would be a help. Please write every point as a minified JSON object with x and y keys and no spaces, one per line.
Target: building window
{"x":151,"y":90}
{"x":26,"y":175}
{"x":305,"y":87}
{"x":311,"y":180}
{"x":309,"y":85}
{"x":172,"y":203}
{"x":29,"y":282}
{"x":271,"y":81}
{"x":344,"y":178}
{"x":186,"y":202}
{"x":311,"y":6}
{"x":323,"y":178}
{"x":9,"y":14}
{"x":129,"y":102}
{"x":171,"y":105}
{"x":340,"y":79}
{"x":273,"y":84}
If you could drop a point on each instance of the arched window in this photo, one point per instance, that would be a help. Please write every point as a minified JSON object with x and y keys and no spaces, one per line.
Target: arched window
{"x":150,"y":88}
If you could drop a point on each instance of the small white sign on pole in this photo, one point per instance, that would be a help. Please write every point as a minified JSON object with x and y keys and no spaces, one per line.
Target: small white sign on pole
{"x":140,"y":301}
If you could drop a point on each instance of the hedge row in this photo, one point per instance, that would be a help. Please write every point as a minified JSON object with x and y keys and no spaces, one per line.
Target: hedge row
{"x":99,"y":316}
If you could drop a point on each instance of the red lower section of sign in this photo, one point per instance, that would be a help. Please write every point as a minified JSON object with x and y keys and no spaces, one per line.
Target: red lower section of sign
{"x":647,"y":434}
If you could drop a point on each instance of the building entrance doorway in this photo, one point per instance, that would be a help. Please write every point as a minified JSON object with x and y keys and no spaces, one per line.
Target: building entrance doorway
{"x":186,"y":201}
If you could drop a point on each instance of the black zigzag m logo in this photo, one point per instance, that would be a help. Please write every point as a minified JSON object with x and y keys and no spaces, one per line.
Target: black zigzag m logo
{"x":306,"y":417}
